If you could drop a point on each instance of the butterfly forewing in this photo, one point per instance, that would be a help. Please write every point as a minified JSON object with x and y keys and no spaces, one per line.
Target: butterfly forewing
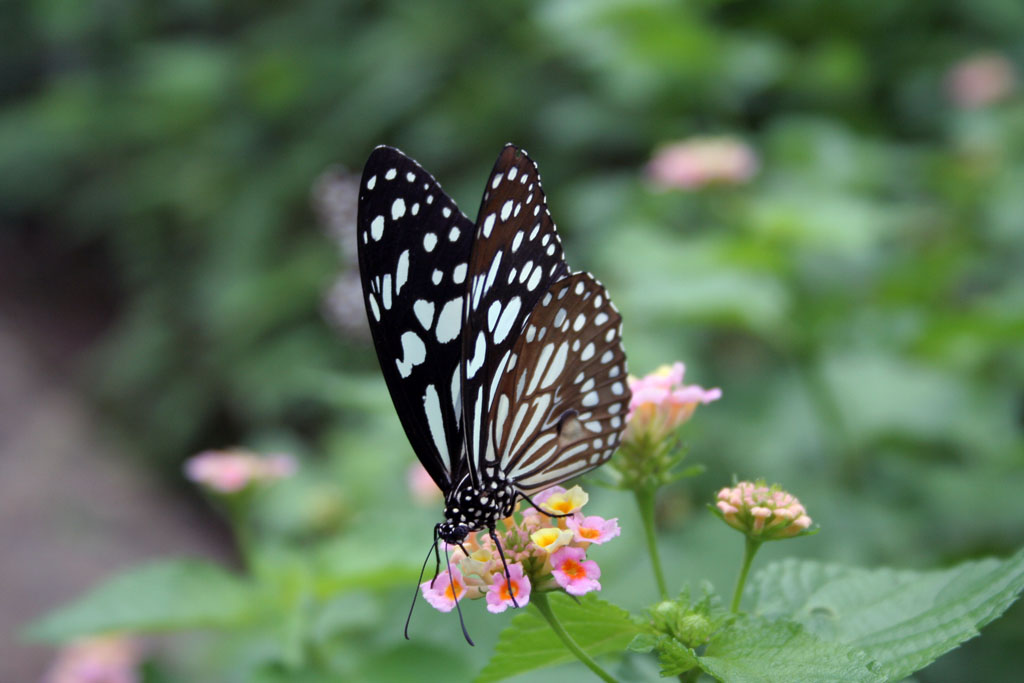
{"x":414,"y":250}
{"x":561,"y":404}
{"x":516,"y":256}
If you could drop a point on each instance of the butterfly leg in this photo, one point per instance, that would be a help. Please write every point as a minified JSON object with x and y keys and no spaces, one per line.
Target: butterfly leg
{"x":542,"y":510}
{"x":501,"y":553}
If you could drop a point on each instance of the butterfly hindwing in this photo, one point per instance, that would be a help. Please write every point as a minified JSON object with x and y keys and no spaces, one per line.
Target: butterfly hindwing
{"x":414,"y":250}
{"x":561,"y":404}
{"x":515,"y":257}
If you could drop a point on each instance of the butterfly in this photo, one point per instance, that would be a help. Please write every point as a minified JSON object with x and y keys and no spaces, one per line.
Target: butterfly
{"x":506,"y":369}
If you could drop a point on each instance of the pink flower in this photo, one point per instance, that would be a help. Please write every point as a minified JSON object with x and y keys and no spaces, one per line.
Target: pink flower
{"x":700,"y":161}
{"x":980,"y":80}
{"x":100,"y":659}
{"x":421,"y":484}
{"x":232,"y":470}
{"x":576,"y":575}
{"x":593,"y":529}
{"x":441,"y":596}
{"x":762,"y":512}
{"x":499,"y":596}
{"x":661,"y":402}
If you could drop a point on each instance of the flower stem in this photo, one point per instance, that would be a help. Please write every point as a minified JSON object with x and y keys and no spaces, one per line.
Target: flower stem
{"x":749,"y":550}
{"x":540,"y":600}
{"x":645,"y":501}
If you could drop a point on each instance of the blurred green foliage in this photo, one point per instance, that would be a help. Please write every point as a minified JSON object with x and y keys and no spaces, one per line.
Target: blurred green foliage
{"x":860,"y":302}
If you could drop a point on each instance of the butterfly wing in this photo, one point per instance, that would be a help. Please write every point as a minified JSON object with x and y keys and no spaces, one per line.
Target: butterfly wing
{"x":414,"y":248}
{"x":516,"y":256}
{"x":561,"y":405}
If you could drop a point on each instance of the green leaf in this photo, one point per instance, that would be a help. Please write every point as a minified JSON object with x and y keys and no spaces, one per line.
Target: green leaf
{"x":757,"y":650}
{"x":675,"y":658}
{"x":528,"y":643}
{"x":903,"y":619}
{"x":164,"y":595}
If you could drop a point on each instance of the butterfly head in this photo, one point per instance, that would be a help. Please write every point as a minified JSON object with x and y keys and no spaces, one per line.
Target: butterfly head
{"x":452,"y":533}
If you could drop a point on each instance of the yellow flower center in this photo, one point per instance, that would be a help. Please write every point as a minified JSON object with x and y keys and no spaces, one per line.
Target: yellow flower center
{"x":586,"y":532}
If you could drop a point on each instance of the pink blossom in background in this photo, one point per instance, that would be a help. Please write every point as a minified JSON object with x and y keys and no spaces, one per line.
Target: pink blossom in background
{"x":421,"y":485}
{"x":661,"y":402}
{"x":101,"y":659}
{"x":499,"y":597}
{"x":232,"y":470}
{"x":701,"y":161}
{"x":440,"y":596}
{"x":763,"y":512}
{"x":593,"y":529}
{"x":574,"y":573}
{"x":980,"y":80}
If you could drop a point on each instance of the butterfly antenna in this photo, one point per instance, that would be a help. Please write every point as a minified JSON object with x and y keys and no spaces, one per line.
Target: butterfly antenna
{"x":508,"y":577}
{"x":549,"y":514}
{"x":455,"y":595}
{"x":418,"y":581}
{"x":437,"y":559}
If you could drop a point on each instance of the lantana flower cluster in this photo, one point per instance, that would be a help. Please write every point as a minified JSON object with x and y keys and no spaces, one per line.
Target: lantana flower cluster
{"x":660,"y":404}
{"x":761,"y":512}
{"x":543,"y":553}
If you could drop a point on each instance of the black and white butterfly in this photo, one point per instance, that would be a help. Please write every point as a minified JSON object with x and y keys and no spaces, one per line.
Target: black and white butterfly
{"x":506,"y":369}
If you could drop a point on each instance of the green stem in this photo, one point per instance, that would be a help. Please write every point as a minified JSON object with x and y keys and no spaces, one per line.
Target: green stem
{"x":645,"y":501}
{"x":749,"y":550}
{"x":238,"y":517}
{"x":540,"y":601}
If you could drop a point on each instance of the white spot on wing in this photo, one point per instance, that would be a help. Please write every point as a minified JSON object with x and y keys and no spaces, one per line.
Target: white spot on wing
{"x":385,"y":292}
{"x":401,"y":271}
{"x":508,"y":318}
{"x":397,"y":208}
{"x":413,"y":353}
{"x":459,"y":274}
{"x":371,"y":183}
{"x":424,"y":311}
{"x":432,"y":407}
{"x":479,"y":351}
{"x":377,"y":228}
{"x":429,"y":241}
{"x":556,"y":367}
{"x":534,"y":279}
{"x":449,"y":322}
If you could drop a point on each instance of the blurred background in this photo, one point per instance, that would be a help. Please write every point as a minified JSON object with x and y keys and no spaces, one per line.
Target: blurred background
{"x":817,"y":206}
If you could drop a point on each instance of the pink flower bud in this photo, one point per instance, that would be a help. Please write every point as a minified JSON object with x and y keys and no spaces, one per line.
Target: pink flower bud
{"x":761,"y":512}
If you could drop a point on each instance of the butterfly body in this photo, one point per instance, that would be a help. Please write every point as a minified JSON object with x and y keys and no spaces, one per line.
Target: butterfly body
{"x":506,"y":369}
{"x":468,"y":509}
